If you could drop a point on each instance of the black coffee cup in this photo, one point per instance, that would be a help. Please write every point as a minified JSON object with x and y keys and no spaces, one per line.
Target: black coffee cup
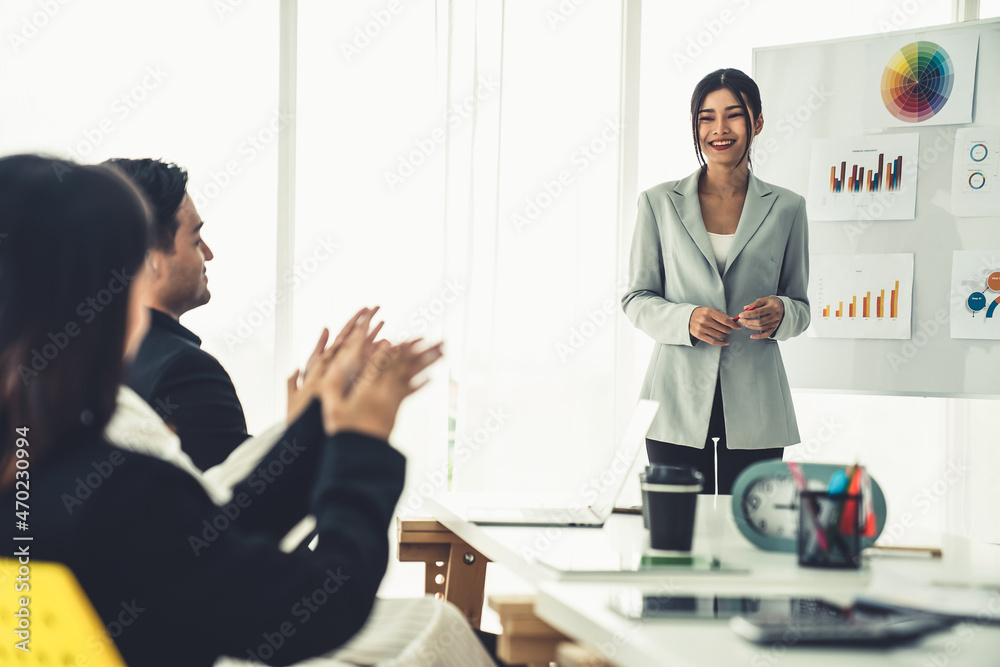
{"x":670,"y":496}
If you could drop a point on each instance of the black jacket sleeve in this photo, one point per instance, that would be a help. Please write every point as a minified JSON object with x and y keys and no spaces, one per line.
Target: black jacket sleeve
{"x":275,"y":496}
{"x":195,"y":395}
{"x":206,"y":587}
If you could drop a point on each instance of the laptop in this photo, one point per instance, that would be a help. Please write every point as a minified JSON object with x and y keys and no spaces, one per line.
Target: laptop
{"x":600,"y":509}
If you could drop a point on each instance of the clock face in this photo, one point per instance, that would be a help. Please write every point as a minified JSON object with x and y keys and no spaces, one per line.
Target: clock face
{"x":770,"y":506}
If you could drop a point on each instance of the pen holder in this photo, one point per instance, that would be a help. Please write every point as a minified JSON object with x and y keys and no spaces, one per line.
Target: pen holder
{"x":829,"y":529}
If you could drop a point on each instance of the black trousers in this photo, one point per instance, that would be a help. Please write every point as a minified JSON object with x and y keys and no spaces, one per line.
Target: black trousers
{"x":731,"y":461}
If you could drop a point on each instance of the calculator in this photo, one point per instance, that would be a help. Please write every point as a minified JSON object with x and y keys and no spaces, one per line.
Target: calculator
{"x":816,"y":622}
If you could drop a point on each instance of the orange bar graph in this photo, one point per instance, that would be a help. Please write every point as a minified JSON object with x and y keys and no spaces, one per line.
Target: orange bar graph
{"x":881,"y":305}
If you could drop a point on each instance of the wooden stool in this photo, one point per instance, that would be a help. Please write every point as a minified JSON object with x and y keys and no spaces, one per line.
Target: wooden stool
{"x":574,"y":655}
{"x":454,"y":570}
{"x":526,"y":639}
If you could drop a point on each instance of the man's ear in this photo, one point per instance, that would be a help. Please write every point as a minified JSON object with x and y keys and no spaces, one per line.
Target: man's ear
{"x":155,"y":260}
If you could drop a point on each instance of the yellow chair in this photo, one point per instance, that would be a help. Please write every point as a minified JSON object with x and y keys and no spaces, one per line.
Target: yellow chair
{"x":62,"y":628}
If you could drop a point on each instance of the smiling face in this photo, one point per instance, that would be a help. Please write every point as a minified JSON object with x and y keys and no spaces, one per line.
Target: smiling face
{"x":180,"y":281}
{"x":722,"y":129}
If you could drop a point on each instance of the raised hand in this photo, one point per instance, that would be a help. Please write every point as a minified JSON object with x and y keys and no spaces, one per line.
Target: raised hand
{"x":366,"y":383}
{"x":301,"y":394}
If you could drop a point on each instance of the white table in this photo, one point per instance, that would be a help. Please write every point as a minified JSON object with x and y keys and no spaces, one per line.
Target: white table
{"x":579,"y":610}
{"x":577,"y":604}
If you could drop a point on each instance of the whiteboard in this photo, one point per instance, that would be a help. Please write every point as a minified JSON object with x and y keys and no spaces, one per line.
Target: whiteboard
{"x":812,"y":91}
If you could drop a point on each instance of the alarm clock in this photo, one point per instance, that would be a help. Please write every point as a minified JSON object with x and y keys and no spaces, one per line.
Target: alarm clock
{"x":766,"y":503}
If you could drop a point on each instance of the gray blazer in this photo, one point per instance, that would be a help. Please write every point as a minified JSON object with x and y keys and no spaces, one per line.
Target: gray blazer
{"x":672,"y":271}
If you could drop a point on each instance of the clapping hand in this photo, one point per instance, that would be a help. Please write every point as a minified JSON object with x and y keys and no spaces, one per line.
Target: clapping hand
{"x":366,"y":381}
{"x":301,"y":394}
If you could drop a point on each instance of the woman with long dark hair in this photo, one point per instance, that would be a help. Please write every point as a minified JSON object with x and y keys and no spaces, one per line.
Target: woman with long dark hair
{"x":140,"y":532}
{"x":718,"y":274}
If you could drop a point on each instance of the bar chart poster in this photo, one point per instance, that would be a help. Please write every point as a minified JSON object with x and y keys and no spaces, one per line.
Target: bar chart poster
{"x":975,"y":294}
{"x":864,"y":178}
{"x":913,"y":80}
{"x":861,"y":296}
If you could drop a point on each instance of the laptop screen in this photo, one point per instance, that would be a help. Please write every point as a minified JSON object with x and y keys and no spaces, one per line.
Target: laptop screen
{"x":628,"y":448}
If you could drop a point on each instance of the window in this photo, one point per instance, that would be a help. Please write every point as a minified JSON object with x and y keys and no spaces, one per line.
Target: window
{"x":82,"y":82}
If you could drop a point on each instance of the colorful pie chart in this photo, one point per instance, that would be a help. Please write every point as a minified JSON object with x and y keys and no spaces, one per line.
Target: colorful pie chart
{"x":917,"y":81}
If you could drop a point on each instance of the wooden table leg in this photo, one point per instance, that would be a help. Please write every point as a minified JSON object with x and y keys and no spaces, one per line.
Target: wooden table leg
{"x":454,"y":570}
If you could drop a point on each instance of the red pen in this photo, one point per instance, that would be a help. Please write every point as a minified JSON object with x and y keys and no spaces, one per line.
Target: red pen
{"x":750,"y":308}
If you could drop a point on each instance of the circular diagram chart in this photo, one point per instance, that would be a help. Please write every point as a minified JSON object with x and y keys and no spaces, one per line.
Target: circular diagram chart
{"x":977,"y":300}
{"x":917,"y":81}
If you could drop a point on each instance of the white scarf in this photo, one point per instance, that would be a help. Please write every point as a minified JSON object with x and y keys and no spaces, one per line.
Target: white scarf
{"x":136,"y":427}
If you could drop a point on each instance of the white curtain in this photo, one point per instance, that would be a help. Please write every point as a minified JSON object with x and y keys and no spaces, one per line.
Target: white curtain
{"x":370,"y":195}
{"x":532,"y":187}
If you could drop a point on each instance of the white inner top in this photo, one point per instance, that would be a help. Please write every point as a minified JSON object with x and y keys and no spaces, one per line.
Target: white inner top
{"x":721,"y":243}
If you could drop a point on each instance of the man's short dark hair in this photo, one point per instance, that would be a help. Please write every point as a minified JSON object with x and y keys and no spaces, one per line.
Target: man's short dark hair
{"x":164,"y":185}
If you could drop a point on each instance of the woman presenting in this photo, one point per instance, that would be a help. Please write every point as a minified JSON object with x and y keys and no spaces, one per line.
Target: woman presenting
{"x":717,"y":275}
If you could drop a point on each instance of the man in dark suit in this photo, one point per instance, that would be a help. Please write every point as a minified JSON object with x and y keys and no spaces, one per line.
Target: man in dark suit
{"x":188,"y":387}
{"x":195,"y":396}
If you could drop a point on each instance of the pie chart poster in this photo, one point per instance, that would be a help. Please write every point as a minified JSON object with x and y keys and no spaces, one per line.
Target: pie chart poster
{"x":920,"y":79}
